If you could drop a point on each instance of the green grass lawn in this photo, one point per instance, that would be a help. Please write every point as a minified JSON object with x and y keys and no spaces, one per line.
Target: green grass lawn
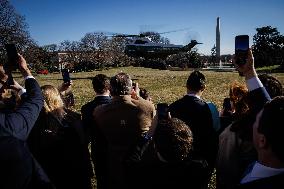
{"x":163,"y":85}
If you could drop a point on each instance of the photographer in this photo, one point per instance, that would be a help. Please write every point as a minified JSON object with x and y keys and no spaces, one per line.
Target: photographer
{"x":18,"y":167}
{"x":121,"y":122}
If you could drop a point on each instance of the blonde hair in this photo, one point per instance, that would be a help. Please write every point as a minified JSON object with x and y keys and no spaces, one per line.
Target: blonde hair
{"x":52,"y":101}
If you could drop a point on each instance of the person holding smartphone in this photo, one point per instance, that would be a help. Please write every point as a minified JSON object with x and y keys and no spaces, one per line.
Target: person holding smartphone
{"x":66,"y":89}
{"x":267,"y":170}
{"x":18,"y":167}
{"x":236,"y":148}
{"x":122,"y":122}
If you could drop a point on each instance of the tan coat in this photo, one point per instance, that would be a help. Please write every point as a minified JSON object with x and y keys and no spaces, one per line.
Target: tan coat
{"x":122,"y":122}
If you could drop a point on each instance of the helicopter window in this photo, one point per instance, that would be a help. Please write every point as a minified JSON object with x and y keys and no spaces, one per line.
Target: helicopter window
{"x":140,"y":42}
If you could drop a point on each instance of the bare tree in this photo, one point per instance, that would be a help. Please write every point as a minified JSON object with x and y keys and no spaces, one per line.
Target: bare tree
{"x":13,"y":28}
{"x":71,"y":53}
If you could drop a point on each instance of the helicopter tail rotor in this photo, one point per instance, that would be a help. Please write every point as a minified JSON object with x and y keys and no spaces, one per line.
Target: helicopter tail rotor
{"x":190,"y":45}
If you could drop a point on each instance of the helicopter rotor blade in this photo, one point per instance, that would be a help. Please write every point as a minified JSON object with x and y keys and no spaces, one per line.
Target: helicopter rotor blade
{"x":125,"y":35}
{"x":184,"y":29}
{"x":145,"y":34}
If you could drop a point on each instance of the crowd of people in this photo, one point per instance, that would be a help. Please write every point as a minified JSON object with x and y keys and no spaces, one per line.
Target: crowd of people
{"x":44,"y":144}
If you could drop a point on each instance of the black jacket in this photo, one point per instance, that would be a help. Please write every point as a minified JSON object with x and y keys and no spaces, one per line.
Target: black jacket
{"x":196,"y":114}
{"x":18,"y":169}
{"x":145,"y":170}
{"x":59,"y":147}
{"x":98,"y":142}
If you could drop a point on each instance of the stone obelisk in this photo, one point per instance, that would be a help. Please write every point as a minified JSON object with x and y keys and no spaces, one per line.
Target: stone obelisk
{"x":218,"y":59}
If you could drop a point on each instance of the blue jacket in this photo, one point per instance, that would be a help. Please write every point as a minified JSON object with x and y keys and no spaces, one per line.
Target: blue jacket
{"x":18,"y":168}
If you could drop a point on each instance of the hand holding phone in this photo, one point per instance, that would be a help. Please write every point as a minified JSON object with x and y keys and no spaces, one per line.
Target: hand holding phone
{"x":10,"y":80}
{"x":66,"y":76}
{"x":241,"y":49}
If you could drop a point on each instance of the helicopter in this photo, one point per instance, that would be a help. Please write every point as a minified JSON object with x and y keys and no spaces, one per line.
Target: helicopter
{"x":142,"y":45}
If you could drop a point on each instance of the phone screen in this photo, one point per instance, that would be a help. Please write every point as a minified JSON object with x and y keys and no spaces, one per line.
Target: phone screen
{"x":66,"y":76}
{"x":12,"y":57}
{"x":241,"y":48}
{"x":162,"y":109}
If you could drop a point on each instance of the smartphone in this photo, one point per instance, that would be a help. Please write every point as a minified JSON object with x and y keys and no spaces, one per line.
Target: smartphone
{"x":162,"y":109}
{"x":241,"y":49}
{"x":133,"y":85}
{"x":12,"y":57}
{"x":10,"y":80}
{"x":66,"y":75}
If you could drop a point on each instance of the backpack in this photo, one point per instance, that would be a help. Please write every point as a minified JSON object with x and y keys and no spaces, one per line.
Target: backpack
{"x":215,"y":116}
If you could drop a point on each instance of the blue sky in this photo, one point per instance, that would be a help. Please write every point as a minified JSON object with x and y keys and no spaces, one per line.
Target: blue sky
{"x":53,"y":21}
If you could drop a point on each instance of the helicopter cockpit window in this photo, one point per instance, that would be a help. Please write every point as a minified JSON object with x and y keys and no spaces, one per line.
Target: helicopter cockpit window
{"x":138,"y":41}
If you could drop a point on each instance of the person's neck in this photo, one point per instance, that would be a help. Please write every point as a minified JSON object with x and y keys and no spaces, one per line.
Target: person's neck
{"x":196,"y":93}
{"x":270,"y":161}
{"x":103,"y":94}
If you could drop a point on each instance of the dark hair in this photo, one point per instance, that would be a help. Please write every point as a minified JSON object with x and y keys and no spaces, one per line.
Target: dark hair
{"x":271,"y":84}
{"x":227,"y":108}
{"x":173,"y":140}
{"x":196,"y":81}
{"x":121,"y":84}
{"x":144,"y":93}
{"x":101,"y":83}
{"x":271,"y":125}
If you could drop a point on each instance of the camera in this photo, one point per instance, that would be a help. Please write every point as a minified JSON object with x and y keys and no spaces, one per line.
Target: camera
{"x":241,"y":49}
{"x":162,"y":109}
{"x":133,"y":85}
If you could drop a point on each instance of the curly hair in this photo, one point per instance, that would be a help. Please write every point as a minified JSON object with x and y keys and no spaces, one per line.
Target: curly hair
{"x":271,"y":84}
{"x":173,"y":140}
{"x":238,"y":96}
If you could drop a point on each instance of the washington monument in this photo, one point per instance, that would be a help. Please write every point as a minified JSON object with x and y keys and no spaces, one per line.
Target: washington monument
{"x":218,"y":60}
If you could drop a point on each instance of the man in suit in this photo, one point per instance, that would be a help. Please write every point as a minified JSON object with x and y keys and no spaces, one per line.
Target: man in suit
{"x":268,"y":171}
{"x":196,"y":113}
{"x":18,"y":168}
{"x":122,"y":122}
{"x":236,"y":149}
{"x":101,"y":86}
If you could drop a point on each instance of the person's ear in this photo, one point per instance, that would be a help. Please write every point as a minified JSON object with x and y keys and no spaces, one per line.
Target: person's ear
{"x":203,"y":87}
{"x":261,"y":141}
